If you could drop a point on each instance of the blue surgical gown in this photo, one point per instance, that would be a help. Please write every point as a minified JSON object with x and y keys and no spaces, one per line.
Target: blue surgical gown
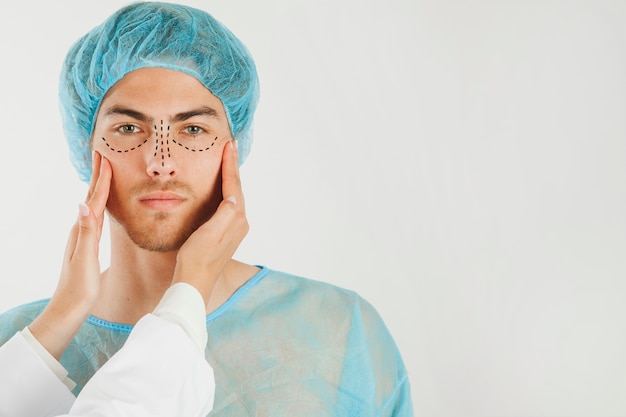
{"x":281,"y":346}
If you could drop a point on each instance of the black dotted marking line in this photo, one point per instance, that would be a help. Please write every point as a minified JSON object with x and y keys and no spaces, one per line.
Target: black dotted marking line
{"x":162,"y":145}
{"x":196,"y":150}
{"x":122,"y":150}
{"x":156,"y":136}
{"x":167,"y":141}
{"x":162,"y":153}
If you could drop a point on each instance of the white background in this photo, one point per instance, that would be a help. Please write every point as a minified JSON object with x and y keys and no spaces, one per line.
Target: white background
{"x":460,"y":164}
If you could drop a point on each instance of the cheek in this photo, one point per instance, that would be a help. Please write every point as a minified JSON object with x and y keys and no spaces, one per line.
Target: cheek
{"x":117,"y":190}
{"x":203,"y":173}
{"x":206,"y":177}
{"x":203,"y":165}
{"x":213,"y":194}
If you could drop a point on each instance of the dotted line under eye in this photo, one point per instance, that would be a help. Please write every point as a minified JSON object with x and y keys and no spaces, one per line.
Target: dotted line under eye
{"x":122,"y":150}
{"x":196,"y":150}
{"x":164,"y":142}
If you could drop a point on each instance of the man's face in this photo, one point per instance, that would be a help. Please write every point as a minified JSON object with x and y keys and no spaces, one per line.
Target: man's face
{"x":163,"y":133}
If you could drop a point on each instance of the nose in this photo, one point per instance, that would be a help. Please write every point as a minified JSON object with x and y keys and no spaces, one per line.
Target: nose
{"x":160,"y":161}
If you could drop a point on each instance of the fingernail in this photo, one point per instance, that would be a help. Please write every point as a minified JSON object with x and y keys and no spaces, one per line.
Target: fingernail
{"x":232,"y":199}
{"x":93,"y":157}
{"x":83,"y":210}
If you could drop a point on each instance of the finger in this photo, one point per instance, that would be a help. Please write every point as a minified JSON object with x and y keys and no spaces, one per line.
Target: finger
{"x":99,"y":196}
{"x":231,"y":180}
{"x":228,"y":224}
{"x":96,"y":158}
{"x":101,"y":193}
{"x":71,"y":243}
{"x":87,"y":236}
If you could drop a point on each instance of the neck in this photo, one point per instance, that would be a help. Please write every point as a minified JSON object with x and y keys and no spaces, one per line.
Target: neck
{"x":136,"y":280}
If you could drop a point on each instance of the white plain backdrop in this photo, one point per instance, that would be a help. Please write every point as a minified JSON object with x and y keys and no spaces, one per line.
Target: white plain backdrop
{"x":460,"y":164}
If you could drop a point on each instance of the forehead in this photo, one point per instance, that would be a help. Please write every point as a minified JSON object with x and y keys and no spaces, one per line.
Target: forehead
{"x":160,"y":92}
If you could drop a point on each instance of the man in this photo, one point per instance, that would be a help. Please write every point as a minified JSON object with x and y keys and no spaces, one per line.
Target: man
{"x":164,"y":96}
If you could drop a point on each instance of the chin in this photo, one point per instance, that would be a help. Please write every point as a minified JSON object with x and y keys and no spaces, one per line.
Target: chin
{"x":159,"y":243}
{"x":162,"y":232}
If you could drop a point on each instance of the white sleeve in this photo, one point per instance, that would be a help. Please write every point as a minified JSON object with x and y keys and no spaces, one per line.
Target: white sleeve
{"x":182,"y":304}
{"x":161,"y":369}
{"x":158,"y":372}
{"x":28,"y":387}
{"x":54,"y":365}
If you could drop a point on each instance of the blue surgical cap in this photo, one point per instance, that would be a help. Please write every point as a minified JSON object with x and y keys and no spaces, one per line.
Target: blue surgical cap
{"x":155,"y":34}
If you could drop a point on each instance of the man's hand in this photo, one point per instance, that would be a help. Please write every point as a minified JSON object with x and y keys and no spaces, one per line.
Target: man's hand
{"x":202,"y":258}
{"x":79,"y":284}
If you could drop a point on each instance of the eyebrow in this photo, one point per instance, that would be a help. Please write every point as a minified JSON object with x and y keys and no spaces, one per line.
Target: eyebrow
{"x":127,"y":112}
{"x":179,"y":117}
{"x":202,"y":111}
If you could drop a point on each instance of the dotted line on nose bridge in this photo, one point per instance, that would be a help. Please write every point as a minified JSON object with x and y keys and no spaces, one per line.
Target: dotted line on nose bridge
{"x":158,"y":134}
{"x":122,"y":150}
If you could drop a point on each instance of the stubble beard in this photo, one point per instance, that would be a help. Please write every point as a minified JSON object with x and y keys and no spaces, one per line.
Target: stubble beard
{"x":161,"y":231}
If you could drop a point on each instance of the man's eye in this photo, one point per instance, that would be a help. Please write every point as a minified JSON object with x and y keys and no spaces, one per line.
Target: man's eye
{"x":193,"y":130}
{"x":128,"y":129}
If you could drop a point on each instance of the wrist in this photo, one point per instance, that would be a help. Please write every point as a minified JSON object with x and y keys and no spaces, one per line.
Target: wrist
{"x":202,"y":281}
{"x":56,"y":326}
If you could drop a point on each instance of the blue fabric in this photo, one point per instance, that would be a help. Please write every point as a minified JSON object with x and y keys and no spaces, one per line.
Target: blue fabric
{"x":155,"y":34}
{"x":281,"y":346}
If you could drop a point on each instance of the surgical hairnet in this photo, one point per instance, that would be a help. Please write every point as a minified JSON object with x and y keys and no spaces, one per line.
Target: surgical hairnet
{"x":155,"y":34}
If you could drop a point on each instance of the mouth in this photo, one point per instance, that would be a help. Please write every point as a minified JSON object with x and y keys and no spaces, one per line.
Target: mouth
{"x":162,"y":200}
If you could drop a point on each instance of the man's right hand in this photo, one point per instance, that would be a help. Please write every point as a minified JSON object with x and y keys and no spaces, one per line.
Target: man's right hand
{"x":79,"y":284}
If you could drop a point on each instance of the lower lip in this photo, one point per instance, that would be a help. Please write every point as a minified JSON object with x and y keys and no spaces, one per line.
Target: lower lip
{"x":161,"y":204}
